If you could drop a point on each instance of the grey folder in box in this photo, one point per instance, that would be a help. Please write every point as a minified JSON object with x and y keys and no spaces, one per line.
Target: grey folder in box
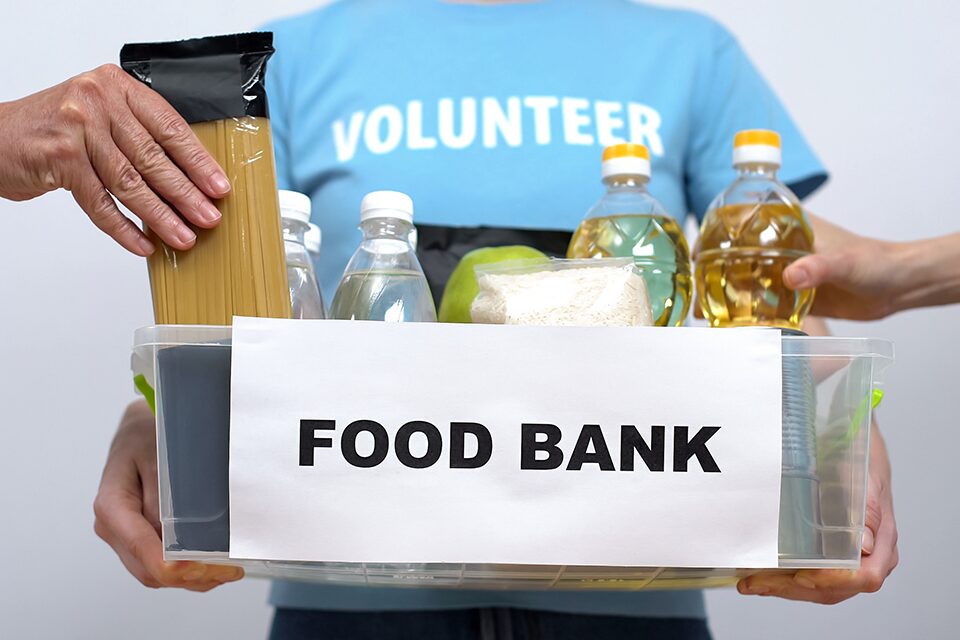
{"x":194,"y":399}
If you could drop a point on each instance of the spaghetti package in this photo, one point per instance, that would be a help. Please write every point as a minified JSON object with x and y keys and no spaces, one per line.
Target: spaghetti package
{"x":237,"y":268}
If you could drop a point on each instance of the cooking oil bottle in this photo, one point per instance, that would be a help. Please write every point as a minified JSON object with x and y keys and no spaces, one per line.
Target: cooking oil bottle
{"x":628,"y":222}
{"x":751,"y":233}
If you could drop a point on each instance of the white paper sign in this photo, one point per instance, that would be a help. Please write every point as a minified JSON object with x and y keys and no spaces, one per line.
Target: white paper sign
{"x":380,"y":442}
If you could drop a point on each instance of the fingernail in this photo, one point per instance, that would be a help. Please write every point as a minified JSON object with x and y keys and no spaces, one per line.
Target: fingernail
{"x":188,"y":237}
{"x":220,"y":183}
{"x":209,"y":212}
{"x":195,"y":573}
{"x":145,"y":245}
{"x":806,"y":583}
{"x":868,"y":541}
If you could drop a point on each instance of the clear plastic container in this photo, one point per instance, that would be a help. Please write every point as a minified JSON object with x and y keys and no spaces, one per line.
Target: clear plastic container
{"x":751,"y":233}
{"x":305,"y":297}
{"x":384,"y":280}
{"x":821,"y":515}
{"x":627,"y":222}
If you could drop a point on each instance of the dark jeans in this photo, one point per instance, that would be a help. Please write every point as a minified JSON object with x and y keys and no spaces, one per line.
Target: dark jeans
{"x":477,"y":624}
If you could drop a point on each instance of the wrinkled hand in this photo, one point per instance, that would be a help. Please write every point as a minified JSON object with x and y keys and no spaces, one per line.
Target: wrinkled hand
{"x":856,"y":278}
{"x":104,"y":133}
{"x":879,"y":555}
{"x":127,"y":511}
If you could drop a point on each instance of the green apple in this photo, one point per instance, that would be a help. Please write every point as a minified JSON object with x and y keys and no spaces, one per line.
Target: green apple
{"x":462,"y":288}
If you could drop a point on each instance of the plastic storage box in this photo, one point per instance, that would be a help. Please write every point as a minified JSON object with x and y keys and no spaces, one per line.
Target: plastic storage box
{"x":829,"y":391}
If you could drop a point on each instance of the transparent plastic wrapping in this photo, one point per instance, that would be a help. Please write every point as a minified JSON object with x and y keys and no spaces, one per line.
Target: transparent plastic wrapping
{"x":237,"y":268}
{"x":592,"y":292}
{"x":821,"y":514}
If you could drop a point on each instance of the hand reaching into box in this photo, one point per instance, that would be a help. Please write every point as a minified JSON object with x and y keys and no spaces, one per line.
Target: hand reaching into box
{"x":127,"y":510}
{"x":879,"y":559}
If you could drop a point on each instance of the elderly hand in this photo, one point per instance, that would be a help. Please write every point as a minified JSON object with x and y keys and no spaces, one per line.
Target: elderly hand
{"x":127,"y":511}
{"x":102,"y":135}
{"x":880,"y":555}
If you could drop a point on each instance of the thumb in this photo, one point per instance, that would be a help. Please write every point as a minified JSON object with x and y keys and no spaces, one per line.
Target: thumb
{"x":811,"y":271}
{"x":872,"y":522}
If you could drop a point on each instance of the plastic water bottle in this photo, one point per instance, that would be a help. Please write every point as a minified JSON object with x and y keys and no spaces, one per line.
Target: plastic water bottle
{"x":384,"y":280}
{"x":304,"y":291}
{"x":311,"y":240}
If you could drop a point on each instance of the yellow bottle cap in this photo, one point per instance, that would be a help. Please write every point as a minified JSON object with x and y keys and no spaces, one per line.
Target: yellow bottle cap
{"x":757,"y":146}
{"x":626,"y":159}
{"x":626,"y":150}
{"x":757,"y":136}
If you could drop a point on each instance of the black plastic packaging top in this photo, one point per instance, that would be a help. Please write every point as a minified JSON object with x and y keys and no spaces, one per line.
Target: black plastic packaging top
{"x":205,"y":78}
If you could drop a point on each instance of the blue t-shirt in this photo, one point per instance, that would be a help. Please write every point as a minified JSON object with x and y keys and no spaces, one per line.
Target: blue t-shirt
{"x":496,"y":114}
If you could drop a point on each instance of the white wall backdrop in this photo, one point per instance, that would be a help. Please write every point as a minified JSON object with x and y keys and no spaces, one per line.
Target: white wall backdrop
{"x":873,"y":85}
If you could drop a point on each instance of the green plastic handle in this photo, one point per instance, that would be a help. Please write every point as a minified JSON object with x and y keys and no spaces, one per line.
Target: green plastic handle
{"x":872,"y":401}
{"x":140,"y":382}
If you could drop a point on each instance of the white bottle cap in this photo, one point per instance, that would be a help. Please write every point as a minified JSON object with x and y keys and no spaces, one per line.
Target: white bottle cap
{"x":625,"y":160}
{"x":757,"y":146}
{"x":311,"y":239}
{"x":294,"y":206}
{"x":386,"y":204}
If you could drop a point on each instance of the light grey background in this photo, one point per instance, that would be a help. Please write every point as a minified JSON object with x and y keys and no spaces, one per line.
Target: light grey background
{"x":873,"y":86}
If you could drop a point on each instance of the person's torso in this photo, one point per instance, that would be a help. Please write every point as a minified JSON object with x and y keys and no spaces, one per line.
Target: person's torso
{"x":485,"y":114}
